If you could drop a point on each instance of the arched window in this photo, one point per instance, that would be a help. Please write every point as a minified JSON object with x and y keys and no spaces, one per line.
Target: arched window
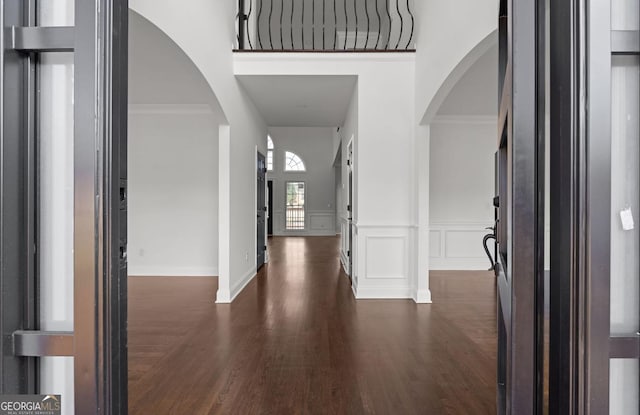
{"x":293,"y":162}
{"x":269,"y":153}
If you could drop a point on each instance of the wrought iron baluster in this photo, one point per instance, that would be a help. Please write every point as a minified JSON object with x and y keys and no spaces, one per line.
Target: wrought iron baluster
{"x":389,"y":25}
{"x":355,"y":40}
{"x":293,"y":6}
{"x":270,"y":16}
{"x":413,"y":22}
{"x":240,"y":27}
{"x":346,"y":25}
{"x":401,"y":23}
{"x":258,"y":28}
{"x":335,"y":25}
{"x":366,"y":10}
{"x":323,"y":22}
{"x":379,"y":25}
{"x":281,"y":21}
{"x":248,"y":20}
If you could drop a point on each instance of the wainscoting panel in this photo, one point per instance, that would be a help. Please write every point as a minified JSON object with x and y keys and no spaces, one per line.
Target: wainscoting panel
{"x":435,"y":245}
{"x":464,"y":244}
{"x":383,"y":262}
{"x":458,"y":246}
{"x":386,"y":257}
{"x":321,"y":221}
{"x":318,"y":223}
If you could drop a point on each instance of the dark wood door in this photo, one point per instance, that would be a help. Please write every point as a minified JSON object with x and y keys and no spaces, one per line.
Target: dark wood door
{"x":350,"y":211}
{"x":520,"y":230}
{"x":270,"y":210}
{"x":261,"y":210}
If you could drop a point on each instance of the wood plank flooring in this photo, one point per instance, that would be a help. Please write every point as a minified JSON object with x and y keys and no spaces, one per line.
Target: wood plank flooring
{"x":296,"y":342}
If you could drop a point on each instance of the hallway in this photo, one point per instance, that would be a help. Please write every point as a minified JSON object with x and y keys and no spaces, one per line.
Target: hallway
{"x":296,"y":341}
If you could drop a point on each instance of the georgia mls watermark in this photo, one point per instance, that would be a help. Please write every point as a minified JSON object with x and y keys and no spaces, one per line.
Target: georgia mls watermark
{"x":30,"y":405}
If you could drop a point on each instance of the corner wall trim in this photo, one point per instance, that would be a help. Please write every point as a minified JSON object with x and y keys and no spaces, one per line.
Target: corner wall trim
{"x":422,"y":297}
{"x":227,"y":296}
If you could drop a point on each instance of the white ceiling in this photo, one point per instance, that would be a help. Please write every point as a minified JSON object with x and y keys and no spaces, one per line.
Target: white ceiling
{"x":301,"y":101}
{"x":160,"y":72}
{"x":477,"y":91}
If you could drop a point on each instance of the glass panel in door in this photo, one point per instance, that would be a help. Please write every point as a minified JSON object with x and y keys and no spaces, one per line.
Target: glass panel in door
{"x":56,"y":200}
{"x":625,"y":237}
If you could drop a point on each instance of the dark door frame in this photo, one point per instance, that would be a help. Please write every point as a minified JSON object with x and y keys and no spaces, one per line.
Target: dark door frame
{"x":270,"y":208}
{"x":99,"y":42}
{"x":581,"y":342}
{"x":261,"y":210}
{"x":520,"y":231}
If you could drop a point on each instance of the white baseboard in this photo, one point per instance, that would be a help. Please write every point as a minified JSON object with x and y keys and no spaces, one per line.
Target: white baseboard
{"x":422,"y":297}
{"x":227,"y":296}
{"x":383,"y":293}
{"x":159,"y":271}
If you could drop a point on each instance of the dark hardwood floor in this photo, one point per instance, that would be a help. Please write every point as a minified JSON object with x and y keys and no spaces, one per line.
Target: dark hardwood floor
{"x":296,"y":342}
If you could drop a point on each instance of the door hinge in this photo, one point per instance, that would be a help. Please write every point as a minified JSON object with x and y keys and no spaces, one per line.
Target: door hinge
{"x":264,"y":208}
{"x":348,"y":253}
{"x":264,"y":170}
{"x":264,"y":248}
{"x":348,"y":162}
{"x":348,"y":208}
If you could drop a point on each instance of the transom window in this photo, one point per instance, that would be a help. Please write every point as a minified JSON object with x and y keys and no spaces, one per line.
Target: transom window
{"x":293,"y":162}
{"x":270,"y":148}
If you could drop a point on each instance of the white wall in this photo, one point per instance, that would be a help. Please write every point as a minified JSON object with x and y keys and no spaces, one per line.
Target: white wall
{"x":205,"y":31}
{"x":463,"y":25}
{"x":173,"y":191}
{"x":173,"y":159}
{"x":461,"y":191}
{"x":314,"y":146}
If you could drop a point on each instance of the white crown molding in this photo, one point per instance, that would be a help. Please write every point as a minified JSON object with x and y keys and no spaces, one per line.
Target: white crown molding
{"x":466,"y":119}
{"x":170,"y":109}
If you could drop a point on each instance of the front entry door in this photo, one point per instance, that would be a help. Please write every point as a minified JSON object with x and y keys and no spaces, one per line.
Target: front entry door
{"x":261,"y":210}
{"x":63,"y":202}
{"x":521,"y":208}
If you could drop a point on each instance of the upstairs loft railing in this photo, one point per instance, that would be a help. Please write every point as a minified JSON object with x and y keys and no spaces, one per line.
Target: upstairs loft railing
{"x":325,"y":25}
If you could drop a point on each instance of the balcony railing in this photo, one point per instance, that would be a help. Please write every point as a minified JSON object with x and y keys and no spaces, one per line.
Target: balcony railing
{"x":325,"y":25}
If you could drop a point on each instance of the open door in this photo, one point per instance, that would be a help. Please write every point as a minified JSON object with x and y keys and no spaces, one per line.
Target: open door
{"x":261,"y":210}
{"x":63,"y":203}
{"x":270,"y":208}
{"x":520,"y":220}
{"x":350,"y":208}
{"x":595,"y":202}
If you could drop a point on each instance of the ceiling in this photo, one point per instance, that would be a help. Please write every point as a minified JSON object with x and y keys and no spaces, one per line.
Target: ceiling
{"x":301,"y":101}
{"x":476,"y":93}
{"x":160,"y":72}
